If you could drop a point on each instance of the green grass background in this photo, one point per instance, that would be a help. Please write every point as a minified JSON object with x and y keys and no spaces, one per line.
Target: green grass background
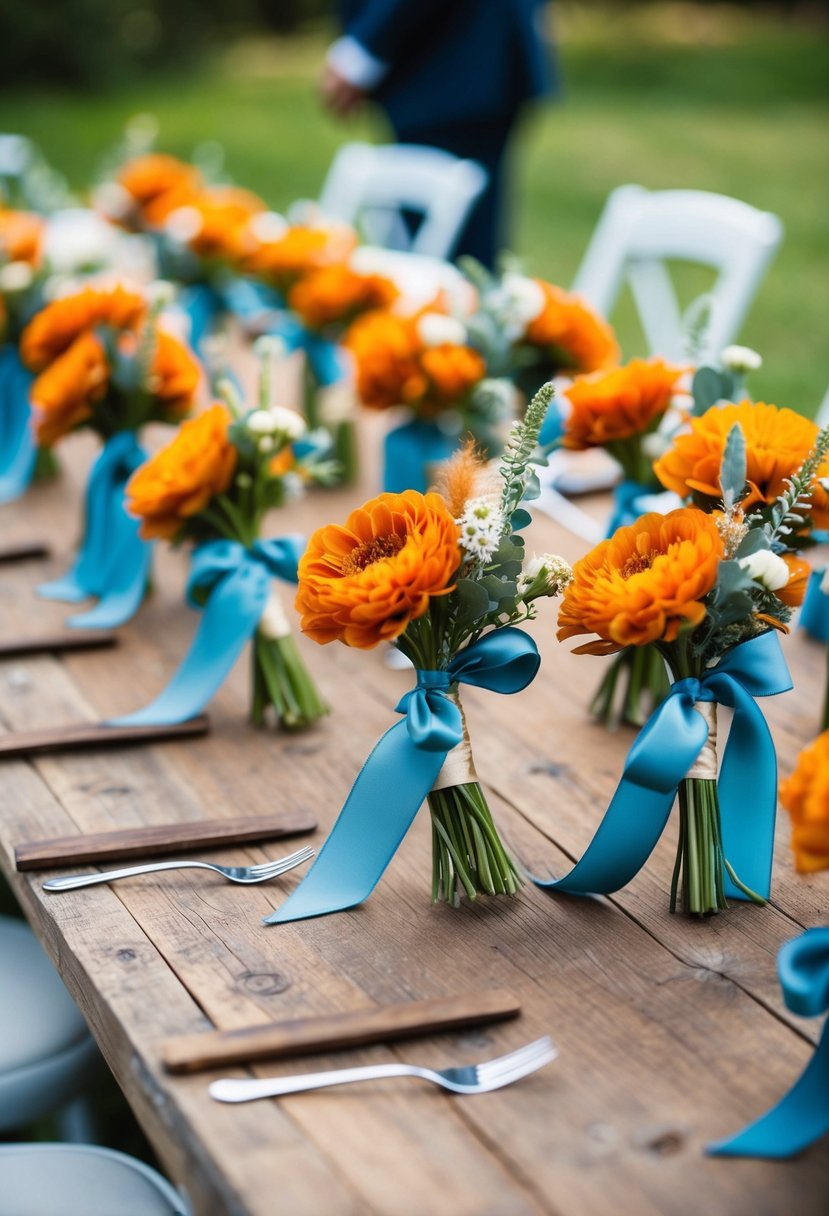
{"x":667,"y":95}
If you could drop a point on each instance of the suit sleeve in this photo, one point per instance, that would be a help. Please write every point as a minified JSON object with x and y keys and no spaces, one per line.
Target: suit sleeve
{"x":384,"y":27}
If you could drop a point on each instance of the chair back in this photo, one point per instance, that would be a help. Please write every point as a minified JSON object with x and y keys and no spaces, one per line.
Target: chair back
{"x":639,"y":230}
{"x":371,"y":186}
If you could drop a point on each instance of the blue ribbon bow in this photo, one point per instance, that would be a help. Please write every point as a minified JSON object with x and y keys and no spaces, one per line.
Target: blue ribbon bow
{"x":665,"y":749}
{"x":234,"y":582}
{"x":802,"y":1116}
{"x":409,"y":452}
{"x":113,"y":562}
{"x":626,"y":508}
{"x":325,"y":358}
{"x":399,"y":773}
{"x":18,"y":452}
{"x":814,"y":615}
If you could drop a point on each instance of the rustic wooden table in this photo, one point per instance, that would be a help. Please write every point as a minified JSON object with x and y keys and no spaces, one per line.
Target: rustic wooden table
{"x":671,"y":1032}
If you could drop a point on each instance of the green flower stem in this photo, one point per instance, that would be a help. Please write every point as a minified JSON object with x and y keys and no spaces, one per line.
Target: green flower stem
{"x":639,"y":672}
{"x":700,"y":860}
{"x":281,"y":680}
{"x":468,"y":855}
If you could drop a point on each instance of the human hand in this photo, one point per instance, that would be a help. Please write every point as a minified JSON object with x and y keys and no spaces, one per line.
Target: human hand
{"x":339,"y":95}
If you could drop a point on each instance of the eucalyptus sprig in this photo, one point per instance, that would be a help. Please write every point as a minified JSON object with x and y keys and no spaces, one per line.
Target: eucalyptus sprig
{"x":792,"y":506}
{"x":517,"y":473}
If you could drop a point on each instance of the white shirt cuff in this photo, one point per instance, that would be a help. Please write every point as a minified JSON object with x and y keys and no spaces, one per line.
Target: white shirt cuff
{"x":354,"y":63}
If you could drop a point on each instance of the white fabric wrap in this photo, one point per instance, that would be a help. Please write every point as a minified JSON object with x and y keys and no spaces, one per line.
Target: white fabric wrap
{"x":705,"y":765}
{"x":458,"y":767}
{"x":274,"y":623}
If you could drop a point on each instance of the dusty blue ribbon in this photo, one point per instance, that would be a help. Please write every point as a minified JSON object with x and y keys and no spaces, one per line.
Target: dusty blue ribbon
{"x":231,"y":583}
{"x":113,"y":562}
{"x":409,"y":452}
{"x":399,"y":773}
{"x":326,"y":360}
{"x":204,"y":304}
{"x":802,"y":1116}
{"x":814,"y":615}
{"x":665,"y":749}
{"x":18,"y":452}
{"x":626,"y":511}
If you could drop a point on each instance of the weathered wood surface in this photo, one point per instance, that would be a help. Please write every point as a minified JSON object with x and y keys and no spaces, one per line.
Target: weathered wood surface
{"x":671,"y":1033}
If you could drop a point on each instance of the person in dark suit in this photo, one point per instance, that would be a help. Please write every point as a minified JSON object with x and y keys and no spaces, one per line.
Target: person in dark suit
{"x":453,"y":74}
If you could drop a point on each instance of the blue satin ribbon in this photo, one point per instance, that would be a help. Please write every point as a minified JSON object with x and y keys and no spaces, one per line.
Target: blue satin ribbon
{"x":204,"y":304}
{"x":18,"y":452}
{"x":113,"y":562}
{"x":665,"y":749}
{"x":802,"y":1116}
{"x":626,"y":511}
{"x":234,"y":582}
{"x":814,"y":615}
{"x":399,"y":773}
{"x":409,"y":453}
{"x":326,"y":360}
{"x":552,"y":427}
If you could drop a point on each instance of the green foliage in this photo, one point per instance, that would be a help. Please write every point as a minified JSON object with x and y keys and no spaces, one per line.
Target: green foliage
{"x":710,"y":386}
{"x":733,"y":470}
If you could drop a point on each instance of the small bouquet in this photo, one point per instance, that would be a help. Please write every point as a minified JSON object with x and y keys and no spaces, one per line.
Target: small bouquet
{"x":442,"y":576}
{"x":21,"y":277}
{"x":426,"y":364}
{"x":104,"y":362}
{"x":801,"y":1117}
{"x":212,"y":487}
{"x":708,"y":589}
{"x":620,"y":410}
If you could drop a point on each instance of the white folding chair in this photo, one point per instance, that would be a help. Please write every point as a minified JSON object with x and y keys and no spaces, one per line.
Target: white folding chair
{"x":82,"y":1180}
{"x":418,"y":278}
{"x":371,"y":185}
{"x":822,"y":415}
{"x":639,"y":230}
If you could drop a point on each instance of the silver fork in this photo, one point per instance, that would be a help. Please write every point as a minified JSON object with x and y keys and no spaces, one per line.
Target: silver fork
{"x":243,"y":874}
{"x":472,"y":1079}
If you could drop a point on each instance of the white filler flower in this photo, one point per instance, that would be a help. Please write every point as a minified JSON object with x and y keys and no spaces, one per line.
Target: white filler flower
{"x":276,"y":421}
{"x":548,"y":574}
{"x":435,"y":329}
{"x":741,"y":359}
{"x":766,"y":568}
{"x":481,"y":526}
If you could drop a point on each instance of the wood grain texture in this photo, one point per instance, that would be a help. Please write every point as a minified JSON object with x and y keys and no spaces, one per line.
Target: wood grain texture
{"x":410,"y":1019}
{"x":78,"y":735}
{"x":57,"y":643}
{"x":159,"y":840}
{"x":671,"y":1033}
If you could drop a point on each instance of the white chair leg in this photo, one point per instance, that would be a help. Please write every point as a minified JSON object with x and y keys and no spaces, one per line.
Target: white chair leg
{"x":76,"y":1123}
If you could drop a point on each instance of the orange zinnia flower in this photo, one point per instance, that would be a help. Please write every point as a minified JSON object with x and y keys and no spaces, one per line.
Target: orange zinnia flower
{"x":63,"y":395}
{"x":174,"y":374}
{"x":159,"y":184}
{"x":452,"y":370}
{"x":805,"y":795}
{"x":799,"y":575}
{"x":56,"y":327}
{"x":298,"y":251}
{"x":643,"y":584}
{"x":386,"y":350}
{"x":336,"y":294}
{"x":221,"y":216}
{"x":617,"y":404}
{"x":777,"y":443}
{"x":21,"y":236}
{"x":180,"y":480}
{"x":363,"y":583}
{"x":576,"y":338}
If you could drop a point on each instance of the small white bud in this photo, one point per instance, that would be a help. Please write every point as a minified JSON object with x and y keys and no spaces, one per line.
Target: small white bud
{"x":766,"y":568}
{"x":741,"y":359}
{"x":266,"y":444}
{"x":268,"y":226}
{"x":270,"y":346}
{"x":435,"y":329}
{"x":16,"y":276}
{"x":183,"y":224}
{"x":161,"y":293}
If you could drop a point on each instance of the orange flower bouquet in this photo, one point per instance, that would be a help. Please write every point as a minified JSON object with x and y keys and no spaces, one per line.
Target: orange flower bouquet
{"x":440,"y":576}
{"x":212,"y":487}
{"x":103,"y":362}
{"x":426,"y":364}
{"x":707,"y":590}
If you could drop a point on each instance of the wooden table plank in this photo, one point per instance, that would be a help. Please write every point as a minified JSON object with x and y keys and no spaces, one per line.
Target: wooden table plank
{"x":671,"y":1032}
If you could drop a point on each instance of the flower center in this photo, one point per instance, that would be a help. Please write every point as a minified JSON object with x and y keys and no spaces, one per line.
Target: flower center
{"x":638,"y":562}
{"x":372,"y":551}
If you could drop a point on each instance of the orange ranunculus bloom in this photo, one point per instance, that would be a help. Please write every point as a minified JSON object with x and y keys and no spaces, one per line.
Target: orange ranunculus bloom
{"x":799,"y":574}
{"x":363,"y":583}
{"x":386,"y":350}
{"x":175,"y":374}
{"x":180,"y":480}
{"x":805,"y":795}
{"x":452,"y":371}
{"x":576,"y":337}
{"x":335,"y":295}
{"x":21,"y":237}
{"x":222,"y":214}
{"x":63,"y":394}
{"x":619,"y":403}
{"x":298,"y":251}
{"x":159,"y":184}
{"x":644,"y":583}
{"x":56,"y":327}
{"x":777,"y":443}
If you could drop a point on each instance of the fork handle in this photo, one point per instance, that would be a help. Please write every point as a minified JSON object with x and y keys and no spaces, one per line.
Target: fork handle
{"x":232,"y":1089}
{"x":69,"y":882}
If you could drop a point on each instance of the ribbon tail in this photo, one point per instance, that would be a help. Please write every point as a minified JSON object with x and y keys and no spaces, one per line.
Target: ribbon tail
{"x":126,"y":582}
{"x":377,"y":814}
{"x":325,"y":360}
{"x":748,"y":799}
{"x":814,"y":615}
{"x":229,"y":620}
{"x":798,"y":1120}
{"x":18,"y":451}
{"x":201,"y":305}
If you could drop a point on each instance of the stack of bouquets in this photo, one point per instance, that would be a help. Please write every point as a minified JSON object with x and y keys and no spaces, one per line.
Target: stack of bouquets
{"x":707,"y":585}
{"x":104,"y":362}
{"x":427,"y":364}
{"x":21,"y":281}
{"x":442,"y":576}
{"x":212,"y":487}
